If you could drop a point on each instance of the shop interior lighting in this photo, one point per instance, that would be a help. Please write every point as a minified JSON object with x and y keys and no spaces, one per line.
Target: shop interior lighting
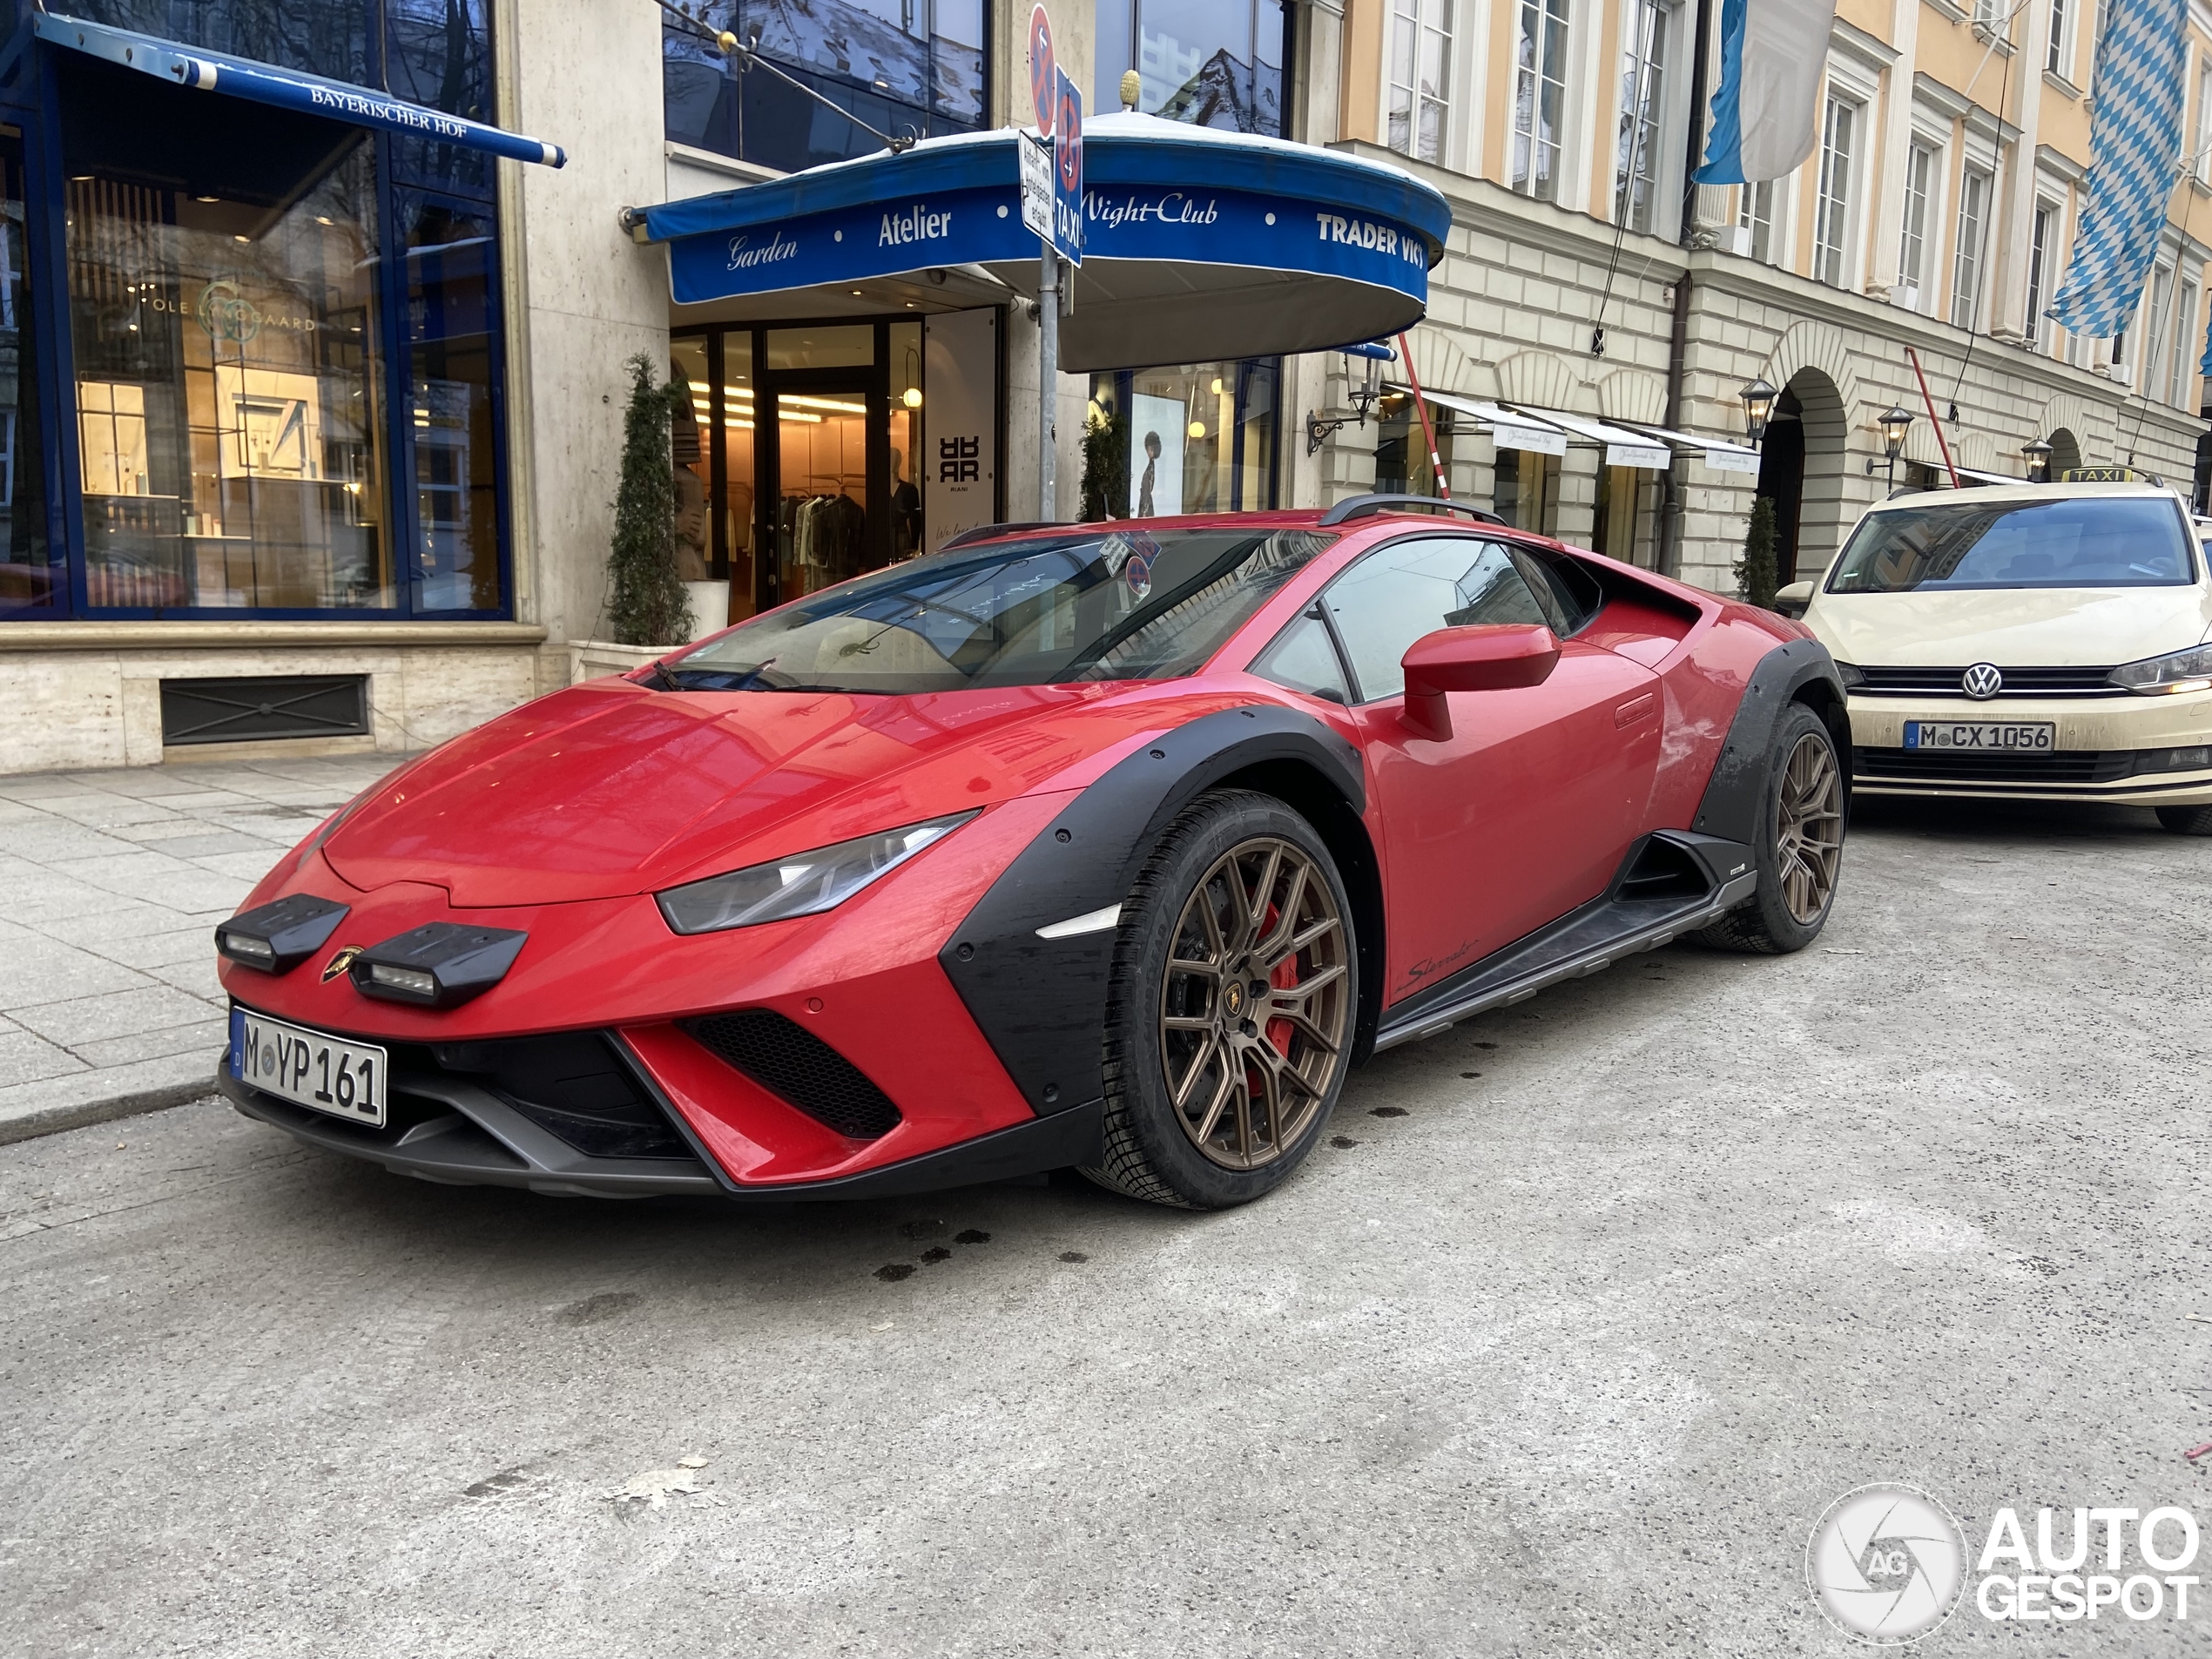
{"x":829,"y":403}
{"x":911,"y":397}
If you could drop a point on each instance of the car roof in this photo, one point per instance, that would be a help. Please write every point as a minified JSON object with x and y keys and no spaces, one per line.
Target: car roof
{"x":1984,"y":495}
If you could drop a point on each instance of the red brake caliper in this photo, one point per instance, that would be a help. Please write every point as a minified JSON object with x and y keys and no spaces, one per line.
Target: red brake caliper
{"x":1283,"y":978}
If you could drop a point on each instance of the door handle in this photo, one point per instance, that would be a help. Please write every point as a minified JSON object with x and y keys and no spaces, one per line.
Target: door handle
{"x":1635,"y":709}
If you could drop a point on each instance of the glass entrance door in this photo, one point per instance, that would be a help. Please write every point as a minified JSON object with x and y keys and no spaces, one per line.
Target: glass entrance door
{"x":830,"y":521}
{"x":801,"y":461}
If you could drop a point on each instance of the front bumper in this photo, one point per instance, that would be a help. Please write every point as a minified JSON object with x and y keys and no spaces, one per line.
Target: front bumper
{"x":871,"y":1076}
{"x":459,"y":1134}
{"x":2107,"y":749}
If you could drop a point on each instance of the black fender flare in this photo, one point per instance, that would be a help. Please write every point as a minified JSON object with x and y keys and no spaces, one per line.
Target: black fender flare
{"x":1734,"y":793}
{"x":1041,"y":1003}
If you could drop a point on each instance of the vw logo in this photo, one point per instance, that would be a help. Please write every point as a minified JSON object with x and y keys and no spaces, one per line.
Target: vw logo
{"x":1982,"y":682}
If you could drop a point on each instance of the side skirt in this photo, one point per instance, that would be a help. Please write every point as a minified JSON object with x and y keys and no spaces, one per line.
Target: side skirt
{"x":1629,"y":918}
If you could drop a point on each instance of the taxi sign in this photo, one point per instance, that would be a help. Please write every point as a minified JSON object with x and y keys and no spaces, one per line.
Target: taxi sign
{"x":2105,"y":476}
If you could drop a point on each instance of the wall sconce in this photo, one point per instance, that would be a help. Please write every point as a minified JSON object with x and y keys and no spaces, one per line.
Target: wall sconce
{"x":1361,"y":397}
{"x":1893,"y":422}
{"x":2038,"y":454}
{"x":1758,"y":408}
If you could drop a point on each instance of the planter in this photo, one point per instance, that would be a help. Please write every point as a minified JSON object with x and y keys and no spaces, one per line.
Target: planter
{"x":710,"y":607}
{"x":591,"y":659}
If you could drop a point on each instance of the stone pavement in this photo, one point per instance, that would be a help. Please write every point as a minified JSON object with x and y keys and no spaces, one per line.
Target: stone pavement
{"x":111,"y":885}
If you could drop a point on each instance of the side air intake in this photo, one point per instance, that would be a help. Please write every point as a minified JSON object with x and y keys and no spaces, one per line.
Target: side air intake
{"x":1664,"y":870}
{"x":794,"y":1064}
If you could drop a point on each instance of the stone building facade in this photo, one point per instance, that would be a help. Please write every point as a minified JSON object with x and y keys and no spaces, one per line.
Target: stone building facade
{"x":1935,"y":212}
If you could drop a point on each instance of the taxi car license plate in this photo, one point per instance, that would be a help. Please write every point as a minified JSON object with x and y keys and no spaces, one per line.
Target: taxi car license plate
{"x":310,"y":1068}
{"x":1983,"y":736}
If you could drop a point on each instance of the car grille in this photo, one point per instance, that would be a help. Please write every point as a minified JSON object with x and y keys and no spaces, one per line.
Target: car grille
{"x":1950,"y":766}
{"x":2018,"y":682}
{"x":794,"y":1064}
{"x":571,"y":1085}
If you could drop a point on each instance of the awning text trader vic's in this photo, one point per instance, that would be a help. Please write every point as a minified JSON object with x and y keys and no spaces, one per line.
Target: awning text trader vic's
{"x":1197,"y":245}
{"x":287,"y":89}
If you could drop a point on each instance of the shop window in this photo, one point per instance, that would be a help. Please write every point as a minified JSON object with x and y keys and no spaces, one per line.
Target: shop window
{"x":453,"y":358}
{"x":904,"y":415}
{"x":1401,"y":447}
{"x":1196,"y":438}
{"x":691,"y":449}
{"x":1526,"y":495}
{"x":437,"y":53}
{"x":323,"y":37}
{"x":1623,"y":514}
{"x":1210,"y":63}
{"x":229,"y":382}
{"x":28,"y":580}
{"x":902,"y":68}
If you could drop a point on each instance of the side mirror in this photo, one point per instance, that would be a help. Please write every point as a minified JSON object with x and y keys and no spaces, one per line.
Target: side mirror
{"x":1486,"y":658}
{"x":1793,"y":600}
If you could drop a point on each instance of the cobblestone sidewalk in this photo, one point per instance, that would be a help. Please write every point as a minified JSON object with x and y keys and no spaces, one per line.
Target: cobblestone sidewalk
{"x":110,"y":884}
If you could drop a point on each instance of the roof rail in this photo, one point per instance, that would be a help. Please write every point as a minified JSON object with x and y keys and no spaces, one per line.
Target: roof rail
{"x":984,"y":532}
{"x":1364,"y":506}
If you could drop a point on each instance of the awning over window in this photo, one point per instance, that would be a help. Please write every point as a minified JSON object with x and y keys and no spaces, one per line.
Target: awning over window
{"x":1626,"y":443}
{"x":1199,"y":245}
{"x":287,"y":89}
{"x":1720,"y":454}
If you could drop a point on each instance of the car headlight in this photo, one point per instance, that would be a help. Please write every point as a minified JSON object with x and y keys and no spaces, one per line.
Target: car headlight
{"x":1848,"y":672}
{"x":803,"y":885}
{"x":2179,"y":671}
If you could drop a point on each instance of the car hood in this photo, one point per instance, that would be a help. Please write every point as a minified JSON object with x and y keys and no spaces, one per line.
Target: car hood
{"x":610,"y":788}
{"x":2011,"y":627}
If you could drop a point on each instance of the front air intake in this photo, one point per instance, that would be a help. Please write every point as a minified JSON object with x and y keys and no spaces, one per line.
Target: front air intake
{"x":792,"y":1062}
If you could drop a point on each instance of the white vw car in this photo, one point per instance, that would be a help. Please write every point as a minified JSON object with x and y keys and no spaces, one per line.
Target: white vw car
{"x":2044,"y":642}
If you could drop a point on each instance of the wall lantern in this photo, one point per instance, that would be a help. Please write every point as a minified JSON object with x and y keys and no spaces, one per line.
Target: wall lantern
{"x":1758,"y":405}
{"x":2038,"y":461}
{"x":1893,"y":422}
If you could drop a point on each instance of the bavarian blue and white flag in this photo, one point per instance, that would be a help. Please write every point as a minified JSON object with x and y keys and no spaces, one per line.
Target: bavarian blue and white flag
{"x":2134,"y":158}
{"x":1766,"y":113}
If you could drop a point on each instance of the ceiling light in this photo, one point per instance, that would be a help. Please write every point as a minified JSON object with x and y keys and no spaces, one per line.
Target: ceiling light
{"x":242,"y":239}
{"x":207,"y":199}
{"x":322,"y":219}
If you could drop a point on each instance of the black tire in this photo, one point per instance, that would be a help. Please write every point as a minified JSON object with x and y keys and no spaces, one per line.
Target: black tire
{"x":1164,"y":968}
{"x":2186,"y":820}
{"x":1770,"y":922}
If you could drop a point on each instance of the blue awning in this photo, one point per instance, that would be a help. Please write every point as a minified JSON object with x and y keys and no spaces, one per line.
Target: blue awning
{"x":1199,"y":245}
{"x":287,"y":89}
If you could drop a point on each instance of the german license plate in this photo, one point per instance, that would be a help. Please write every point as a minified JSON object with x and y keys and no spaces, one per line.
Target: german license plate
{"x":1983,"y":736}
{"x":324,"y":1074}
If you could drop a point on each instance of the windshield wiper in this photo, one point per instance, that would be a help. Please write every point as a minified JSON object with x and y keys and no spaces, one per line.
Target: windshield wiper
{"x":663,"y":677}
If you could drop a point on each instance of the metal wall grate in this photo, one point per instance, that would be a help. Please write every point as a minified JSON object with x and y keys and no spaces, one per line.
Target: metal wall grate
{"x":259,"y":709}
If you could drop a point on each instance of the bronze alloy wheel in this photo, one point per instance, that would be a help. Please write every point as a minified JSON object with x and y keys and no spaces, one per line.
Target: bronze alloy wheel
{"x":1809,"y":828}
{"x":1255,"y":1010}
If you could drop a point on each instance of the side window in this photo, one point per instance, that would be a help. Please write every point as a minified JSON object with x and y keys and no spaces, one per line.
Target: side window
{"x":1305,"y":658}
{"x":1396,"y":594}
{"x":1569,"y":594}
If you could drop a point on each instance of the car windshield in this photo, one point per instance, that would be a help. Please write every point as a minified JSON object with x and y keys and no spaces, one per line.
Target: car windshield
{"x":1085,"y":605}
{"x":2075,"y":542}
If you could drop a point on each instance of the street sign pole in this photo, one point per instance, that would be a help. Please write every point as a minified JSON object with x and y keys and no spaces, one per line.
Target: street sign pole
{"x":1048,"y":385}
{"x":1044,"y":74}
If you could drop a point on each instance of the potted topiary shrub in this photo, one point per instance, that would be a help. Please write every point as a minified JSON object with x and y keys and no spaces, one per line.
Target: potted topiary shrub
{"x":649,"y":612}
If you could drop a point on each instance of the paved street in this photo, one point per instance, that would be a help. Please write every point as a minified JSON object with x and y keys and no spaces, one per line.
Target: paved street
{"x":111,"y":885}
{"x":1558,"y":1347}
